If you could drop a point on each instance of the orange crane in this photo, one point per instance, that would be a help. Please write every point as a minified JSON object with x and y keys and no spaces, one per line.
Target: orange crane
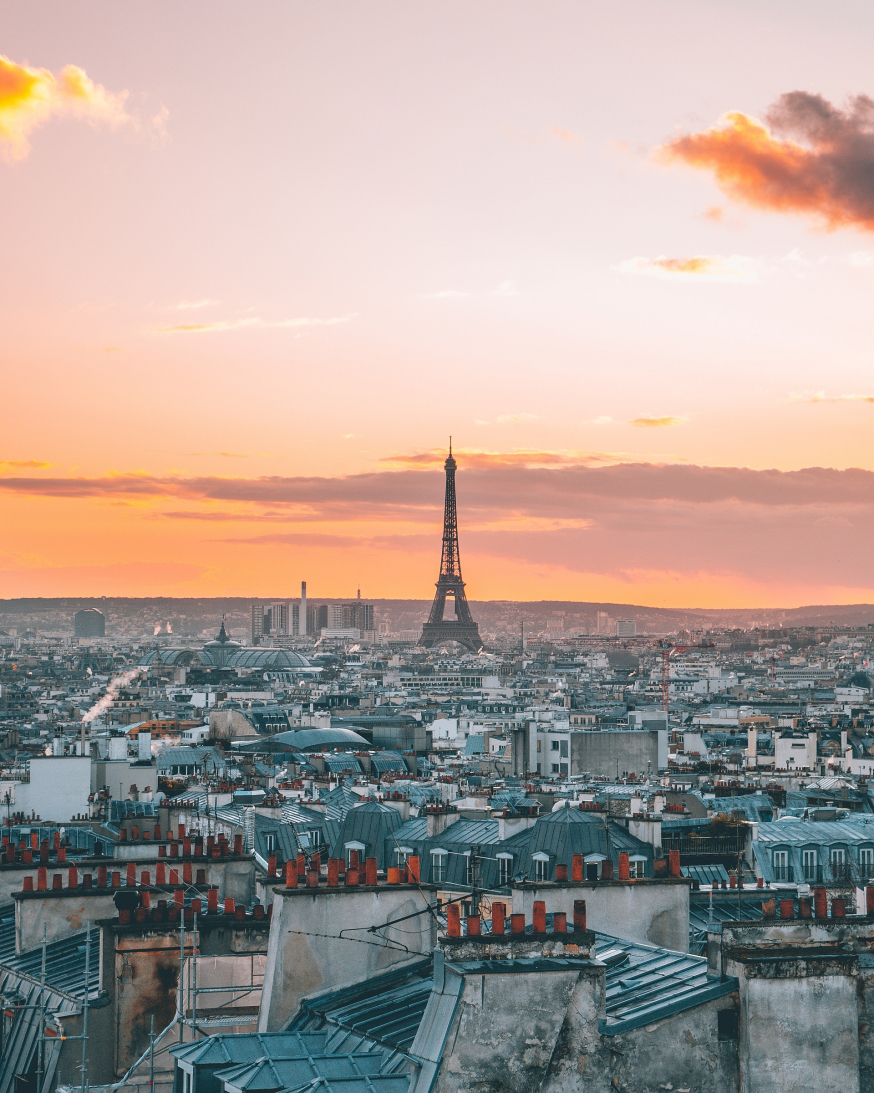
{"x":668,"y":648}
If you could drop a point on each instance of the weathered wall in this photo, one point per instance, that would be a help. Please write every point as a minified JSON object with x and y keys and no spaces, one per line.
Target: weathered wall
{"x":520,"y":1030}
{"x":58,"y":788}
{"x":141,"y":972}
{"x":506,"y":1027}
{"x":678,"y":1052}
{"x":649,"y":911}
{"x":62,"y":913}
{"x":801,"y":1026}
{"x":307,"y":953}
{"x":99,"y":1060}
{"x":598,"y":751}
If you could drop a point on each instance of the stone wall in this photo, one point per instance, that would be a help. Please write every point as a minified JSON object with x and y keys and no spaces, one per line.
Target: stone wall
{"x":319,"y":940}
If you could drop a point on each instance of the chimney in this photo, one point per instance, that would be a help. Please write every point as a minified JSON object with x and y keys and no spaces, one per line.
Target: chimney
{"x":438,"y":819}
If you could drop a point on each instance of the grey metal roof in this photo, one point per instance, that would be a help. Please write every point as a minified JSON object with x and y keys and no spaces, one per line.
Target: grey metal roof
{"x":7,"y":931}
{"x":568,"y":831}
{"x":343,"y":763}
{"x":388,"y":760}
{"x":65,"y":964}
{"x":247,"y":1047}
{"x":387,"y":1009}
{"x":645,"y":983}
{"x":310,"y":740}
{"x":369,"y":824}
{"x":267,"y":1075}
{"x":724,"y":908}
{"x":339,"y":800}
{"x":705,"y":874}
{"x":803,"y":832}
{"x":414,"y":830}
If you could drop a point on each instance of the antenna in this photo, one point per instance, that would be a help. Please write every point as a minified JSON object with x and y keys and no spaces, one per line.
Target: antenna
{"x":450,"y":445}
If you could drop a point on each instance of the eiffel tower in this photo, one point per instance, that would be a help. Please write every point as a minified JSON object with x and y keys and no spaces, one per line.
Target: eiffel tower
{"x":462,"y":628}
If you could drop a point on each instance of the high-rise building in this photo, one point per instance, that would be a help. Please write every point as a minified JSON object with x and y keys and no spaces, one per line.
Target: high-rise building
{"x":302,"y":612}
{"x":280,"y":620}
{"x":626,"y":628}
{"x":257,"y":623}
{"x":89,"y":623}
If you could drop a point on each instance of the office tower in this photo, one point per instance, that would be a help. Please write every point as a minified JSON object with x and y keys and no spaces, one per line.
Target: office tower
{"x":303,"y":615}
{"x":89,"y":623}
{"x":626,"y":628}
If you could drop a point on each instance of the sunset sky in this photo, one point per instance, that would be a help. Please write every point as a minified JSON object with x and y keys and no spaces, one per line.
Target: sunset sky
{"x":260,"y":261}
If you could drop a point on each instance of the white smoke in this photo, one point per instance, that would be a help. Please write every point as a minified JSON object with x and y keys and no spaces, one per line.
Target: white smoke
{"x":157,"y":630}
{"x":103,"y":704}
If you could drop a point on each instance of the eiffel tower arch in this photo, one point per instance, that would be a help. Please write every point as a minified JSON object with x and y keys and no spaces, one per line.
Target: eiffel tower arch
{"x":450,"y":584}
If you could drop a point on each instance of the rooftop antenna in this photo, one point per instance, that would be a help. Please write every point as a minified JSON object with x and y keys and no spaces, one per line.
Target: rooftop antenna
{"x":450,"y":445}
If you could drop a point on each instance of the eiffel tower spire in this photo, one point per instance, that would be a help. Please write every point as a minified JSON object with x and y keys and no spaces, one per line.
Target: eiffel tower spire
{"x":462,"y":628}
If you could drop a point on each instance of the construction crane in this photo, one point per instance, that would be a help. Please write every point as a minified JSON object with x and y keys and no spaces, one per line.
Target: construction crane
{"x":667,"y":649}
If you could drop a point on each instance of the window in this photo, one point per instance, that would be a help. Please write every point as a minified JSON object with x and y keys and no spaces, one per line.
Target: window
{"x":780,"y":861}
{"x":541,"y":867}
{"x":809,"y":864}
{"x":400,"y":855}
{"x":270,"y":842}
{"x":866,"y":862}
{"x":637,"y":866}
{"x":538,"y":745}
{"x":840,"y":868}
{"x":439,"y":863}
{"x":505,"y":868}
{"x":360,"y":847}
{"x":468,"y":867}
{"x":555,"y":769}
{"x":726,"y":1025}
{"x":553,"y":745}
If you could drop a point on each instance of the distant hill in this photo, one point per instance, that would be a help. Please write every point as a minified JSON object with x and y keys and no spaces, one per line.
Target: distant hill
{"x":192,"y":615}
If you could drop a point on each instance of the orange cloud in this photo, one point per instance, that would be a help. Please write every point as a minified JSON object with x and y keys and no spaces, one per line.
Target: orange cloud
{"x":656,"y":422}
{"x":637,"y":530}
{"x":29,"y":97}
{"x":23,"y":465}
{"x":810,"y":158}
{"x":566,"y":136}
{"x":821,"y":396}
{"x":519,"y":457}
{"x":236,"y":324}
{"x":713,"y":267}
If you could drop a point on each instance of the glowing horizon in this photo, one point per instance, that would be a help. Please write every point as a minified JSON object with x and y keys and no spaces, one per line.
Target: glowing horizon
{"x":253,"y":284}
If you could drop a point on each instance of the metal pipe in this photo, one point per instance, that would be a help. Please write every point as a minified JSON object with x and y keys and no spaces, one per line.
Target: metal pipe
{"x":85,"y":1004}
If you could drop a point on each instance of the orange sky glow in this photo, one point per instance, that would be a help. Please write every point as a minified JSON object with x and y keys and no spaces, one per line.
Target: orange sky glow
{"x":254,"y":278}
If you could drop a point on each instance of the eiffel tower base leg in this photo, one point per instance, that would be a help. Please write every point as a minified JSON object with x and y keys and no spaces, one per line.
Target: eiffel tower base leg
{"x":466,"y":634}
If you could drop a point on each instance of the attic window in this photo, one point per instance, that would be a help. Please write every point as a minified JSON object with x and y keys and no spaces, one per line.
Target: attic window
{"x":541,"y":866}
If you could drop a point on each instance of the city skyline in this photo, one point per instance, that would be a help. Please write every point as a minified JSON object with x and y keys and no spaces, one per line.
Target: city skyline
{"x":260,"y":273}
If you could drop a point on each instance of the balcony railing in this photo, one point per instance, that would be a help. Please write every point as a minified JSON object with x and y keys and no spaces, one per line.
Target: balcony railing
{"x":704,"y":844}
{"x":783,"y":873}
